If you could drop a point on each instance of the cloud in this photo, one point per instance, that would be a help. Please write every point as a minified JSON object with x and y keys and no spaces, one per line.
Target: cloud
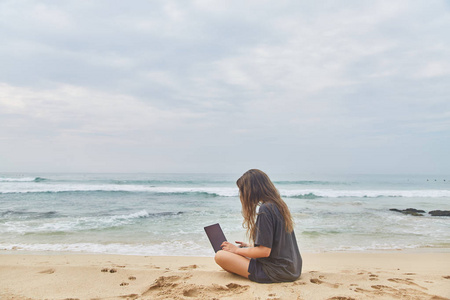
{"x":213,"y":85}
{"x":434,"y":69}
{"x":80,"y":110}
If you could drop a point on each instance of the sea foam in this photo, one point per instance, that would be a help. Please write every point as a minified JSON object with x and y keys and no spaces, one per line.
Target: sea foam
{"x":219,"y":191}
{"x":22,"y":179}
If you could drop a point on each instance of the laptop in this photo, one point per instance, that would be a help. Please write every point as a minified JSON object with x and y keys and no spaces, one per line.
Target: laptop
{"x":215,"y":236}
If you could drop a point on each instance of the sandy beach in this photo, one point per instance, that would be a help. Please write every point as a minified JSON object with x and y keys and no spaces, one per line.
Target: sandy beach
{"x":325,"y":276}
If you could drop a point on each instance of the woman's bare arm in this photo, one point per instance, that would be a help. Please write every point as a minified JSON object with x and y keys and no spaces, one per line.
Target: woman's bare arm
{"x":252,"y":252}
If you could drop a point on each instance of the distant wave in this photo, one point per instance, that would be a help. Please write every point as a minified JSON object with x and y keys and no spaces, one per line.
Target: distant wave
{"x":22,"y":179}
{"x":54,"y":214}
{"x":218,"y":191}
{"x":29,"y":214}
{"x":166,"y":182}
{"x":305,"y":196}
{"x":39,"y":179}
{"x":312,"y":194}
{"x":305,"y":182}
{"x":144,"y":214}
{"x":27,"y":225}
{"x":314,"y":233}
{"x":59,"y":188}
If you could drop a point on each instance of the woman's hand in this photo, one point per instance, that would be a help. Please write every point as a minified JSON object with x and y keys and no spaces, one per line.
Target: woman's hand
{"x":227,"y":246}
{"x":242,"y":244}
{"x":251,"y":252}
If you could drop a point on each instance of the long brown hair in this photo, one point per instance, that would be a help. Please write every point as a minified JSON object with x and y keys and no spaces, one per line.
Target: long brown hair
{"x":255,"y":187}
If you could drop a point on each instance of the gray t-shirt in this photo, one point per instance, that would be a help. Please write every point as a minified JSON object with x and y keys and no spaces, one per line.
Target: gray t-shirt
{"x":285,"y":261}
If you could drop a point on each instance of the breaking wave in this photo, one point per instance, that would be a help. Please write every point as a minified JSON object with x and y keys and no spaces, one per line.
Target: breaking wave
{"x":60,"y":188}
{"x":22,"y":179}
{"x":65,"y":224}
{"x":312,"y":194}
{"x":223,"y":191}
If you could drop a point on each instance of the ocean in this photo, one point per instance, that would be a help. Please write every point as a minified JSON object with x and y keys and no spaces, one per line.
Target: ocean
{"x":164,"y":214}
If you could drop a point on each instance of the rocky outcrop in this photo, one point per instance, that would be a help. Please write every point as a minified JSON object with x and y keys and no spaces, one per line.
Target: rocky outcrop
{"x":419,"y":212}
{"x":440,"y":213}
{"x":409,"y":211}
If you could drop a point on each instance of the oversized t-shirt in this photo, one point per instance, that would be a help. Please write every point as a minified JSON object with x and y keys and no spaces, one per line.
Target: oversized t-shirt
{"x":285,"y":261}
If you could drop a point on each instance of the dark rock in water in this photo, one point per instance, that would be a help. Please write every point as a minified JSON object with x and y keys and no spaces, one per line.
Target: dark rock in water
{"x":409,"y":211}
{"x":419,"y":212}
{"x":440,"y":213}
{"x":415,"y":210}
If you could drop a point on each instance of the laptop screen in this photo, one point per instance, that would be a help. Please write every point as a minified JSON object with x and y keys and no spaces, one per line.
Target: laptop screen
{"x":215,"y":235}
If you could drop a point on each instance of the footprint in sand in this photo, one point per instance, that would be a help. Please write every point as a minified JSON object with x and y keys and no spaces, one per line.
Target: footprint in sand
{"x":273,"y":296}
{"x":318,"y":281}
{"x":402,"y":293}
{"x":105,"y":270}
{"x":131,"y":278}
{"x":378,"y":290}
{"x":176,"y":285}
{"x":163,"y":282}
{"x":446,"y":277}
{"x":130,"y":296}
{"x":191,"y":267}
{"x":193,"y":292}
{"x":236,"y":287}
{"x":153,"y":267}
{"x":230,"y":289}
{"x":124,"y":284}
{"x":48,"y":271}
{"x":407,"y":281}
{"x":373,"y":277}
{"x":341,"y":298}
{"x":383,"y":287}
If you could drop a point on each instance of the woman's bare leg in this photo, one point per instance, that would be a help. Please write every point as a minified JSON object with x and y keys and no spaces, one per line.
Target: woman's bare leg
{"x":233,"y":263}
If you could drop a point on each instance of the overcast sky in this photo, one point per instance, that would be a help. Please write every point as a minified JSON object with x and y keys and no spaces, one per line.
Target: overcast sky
{"x":223,"y":86}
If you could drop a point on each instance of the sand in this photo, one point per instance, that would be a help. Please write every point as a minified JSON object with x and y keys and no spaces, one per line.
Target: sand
{"x":325,"y":276}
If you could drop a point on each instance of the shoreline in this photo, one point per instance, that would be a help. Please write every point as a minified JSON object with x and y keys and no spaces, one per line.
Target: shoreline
{"x":373,"y":251}
{"x":327,"y":275}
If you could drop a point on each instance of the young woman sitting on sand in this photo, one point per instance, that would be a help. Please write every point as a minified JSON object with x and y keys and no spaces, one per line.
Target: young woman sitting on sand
{"x":275,"y":256}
